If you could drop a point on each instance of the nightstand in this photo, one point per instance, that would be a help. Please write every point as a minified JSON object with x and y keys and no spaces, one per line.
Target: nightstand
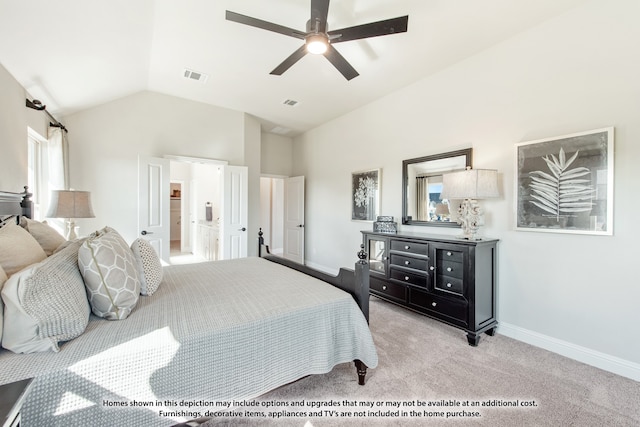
{"x":11,"y":398}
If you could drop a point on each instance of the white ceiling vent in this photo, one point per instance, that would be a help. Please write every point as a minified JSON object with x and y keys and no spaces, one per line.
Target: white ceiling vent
{"x":290,"y":102}
{"x":195,"y":75}
{"x":280,"y":130}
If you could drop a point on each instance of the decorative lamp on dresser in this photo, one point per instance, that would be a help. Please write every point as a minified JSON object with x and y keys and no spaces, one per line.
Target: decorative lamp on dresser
{"x":447,"y":278}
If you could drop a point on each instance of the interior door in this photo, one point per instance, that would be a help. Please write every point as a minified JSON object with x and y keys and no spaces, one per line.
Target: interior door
{"x":294,"y":219}
{"x":235,"y":212}
{"x":153,"y":203}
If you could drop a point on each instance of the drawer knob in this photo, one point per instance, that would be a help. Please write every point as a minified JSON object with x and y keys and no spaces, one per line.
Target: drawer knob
{"x":384,"y":287}
{"x":448,"y":285}
{"x":432,"y":268}
{"x":407,"y":247}
{"x":433,"y":304}
{"x":407,"y":263}
{"x":406,"y":278}
{"x":449,"y":269}
{"x":448,"y":253}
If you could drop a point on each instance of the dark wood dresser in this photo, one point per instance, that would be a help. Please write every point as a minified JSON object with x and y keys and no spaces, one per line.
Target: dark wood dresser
{"x":444,"y":277}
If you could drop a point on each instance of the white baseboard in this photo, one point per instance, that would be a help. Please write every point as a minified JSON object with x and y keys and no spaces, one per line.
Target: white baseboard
{"x":586,"y":355}
{"x":591,"y":357}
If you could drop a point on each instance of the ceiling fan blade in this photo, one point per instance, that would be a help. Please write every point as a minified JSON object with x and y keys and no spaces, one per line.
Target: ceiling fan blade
{"x":259,"y":23}
{"x":340,"y":63}
{"x":292,"y":59}
{"x":373,"y":29}
{"x":319,"y":12}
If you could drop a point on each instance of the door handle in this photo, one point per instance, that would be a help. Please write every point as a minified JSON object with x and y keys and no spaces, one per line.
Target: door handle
{"x":242,"y":229}
{"x":145,"y":232}
{"x":301,"y":225}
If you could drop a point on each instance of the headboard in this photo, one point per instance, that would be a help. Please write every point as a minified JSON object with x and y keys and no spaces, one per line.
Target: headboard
{"x":15,"y":204}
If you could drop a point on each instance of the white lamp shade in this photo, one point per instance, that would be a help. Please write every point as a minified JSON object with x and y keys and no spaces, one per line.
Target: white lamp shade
{"x":70,"y":204}
{"x":470,"y":184}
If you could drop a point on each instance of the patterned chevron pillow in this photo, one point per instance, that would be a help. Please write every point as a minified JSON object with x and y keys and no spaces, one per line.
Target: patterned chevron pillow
{"x":110,"y":274}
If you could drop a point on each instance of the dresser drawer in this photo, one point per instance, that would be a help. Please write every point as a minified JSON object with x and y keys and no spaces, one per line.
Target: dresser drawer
{"x":449,"y":284}
{"x":410,"y":247}
{"x":391,"y":290}
{"x":448,"y":255}
{"x":450,"y":268}
{"x":453,"y":310}
{"x":409,"y":262}
{"x":410,"y":278}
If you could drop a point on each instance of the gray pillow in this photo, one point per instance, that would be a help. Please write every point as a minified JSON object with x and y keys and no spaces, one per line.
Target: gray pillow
{"x":45,"y":304}
{"x":110,"y":274}
{"x":149,"y":266}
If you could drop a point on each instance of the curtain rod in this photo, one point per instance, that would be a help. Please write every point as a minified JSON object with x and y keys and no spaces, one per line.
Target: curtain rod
{"x":37,"y":105}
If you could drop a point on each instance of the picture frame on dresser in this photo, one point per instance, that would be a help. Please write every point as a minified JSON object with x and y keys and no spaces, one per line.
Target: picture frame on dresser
{"x":564,"y":184}
{"x":365,"y":195}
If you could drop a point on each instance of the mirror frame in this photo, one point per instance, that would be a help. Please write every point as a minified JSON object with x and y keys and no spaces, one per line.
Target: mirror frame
{"x":467,"y":152}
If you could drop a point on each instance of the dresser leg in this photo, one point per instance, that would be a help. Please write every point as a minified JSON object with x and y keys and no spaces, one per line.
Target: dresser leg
{"x":473,"y":339}
{"x":491,"y":332}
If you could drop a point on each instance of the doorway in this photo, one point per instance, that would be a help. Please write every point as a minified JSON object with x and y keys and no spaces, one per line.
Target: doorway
{"x":175,"y":219}
{"x":207,"y":183}
{"x":272,"y":213}
{"x":282,"y":216}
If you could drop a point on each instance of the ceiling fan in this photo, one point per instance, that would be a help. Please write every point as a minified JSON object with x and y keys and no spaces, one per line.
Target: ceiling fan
{"x":320,"y":41}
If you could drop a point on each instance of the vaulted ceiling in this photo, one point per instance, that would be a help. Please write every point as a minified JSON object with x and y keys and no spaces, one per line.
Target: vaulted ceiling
{"x":76,"y":54}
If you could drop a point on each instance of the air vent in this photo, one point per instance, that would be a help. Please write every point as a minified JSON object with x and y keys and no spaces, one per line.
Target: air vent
{"x":280,"y":130}
{"x":290,"y":102}
{"x":195,"y":75}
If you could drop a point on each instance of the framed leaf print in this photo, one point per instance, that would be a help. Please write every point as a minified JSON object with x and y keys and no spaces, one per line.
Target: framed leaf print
{"x":365,"y":195}
{"x":565,"y":184}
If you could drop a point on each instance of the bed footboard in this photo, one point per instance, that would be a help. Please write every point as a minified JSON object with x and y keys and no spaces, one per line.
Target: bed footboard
{"x":355,"y":282}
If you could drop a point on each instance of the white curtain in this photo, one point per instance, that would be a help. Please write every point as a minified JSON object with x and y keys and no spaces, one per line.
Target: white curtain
{"x":422,"y":202}
{"x":58,"y":159}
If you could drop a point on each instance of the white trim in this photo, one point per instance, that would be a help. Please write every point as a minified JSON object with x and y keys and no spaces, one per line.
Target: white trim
{"x":591,"y":357}
{"x":202,"y":160}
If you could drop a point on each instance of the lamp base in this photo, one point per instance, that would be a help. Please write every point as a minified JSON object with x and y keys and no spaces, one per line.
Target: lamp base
{"x":70,"y":232}
{"x":469,"y":217}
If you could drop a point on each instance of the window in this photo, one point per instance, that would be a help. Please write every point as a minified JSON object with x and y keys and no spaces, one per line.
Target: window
{"x":36,"y":170}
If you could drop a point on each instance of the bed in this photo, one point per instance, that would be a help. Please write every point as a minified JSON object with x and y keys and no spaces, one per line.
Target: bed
{"x":211,"y":332}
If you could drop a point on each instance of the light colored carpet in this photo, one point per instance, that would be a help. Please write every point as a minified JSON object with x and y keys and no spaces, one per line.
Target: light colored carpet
{"x":423,"y":360}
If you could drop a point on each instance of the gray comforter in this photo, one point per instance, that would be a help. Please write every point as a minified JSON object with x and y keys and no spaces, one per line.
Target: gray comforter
{"x":212,"y":332}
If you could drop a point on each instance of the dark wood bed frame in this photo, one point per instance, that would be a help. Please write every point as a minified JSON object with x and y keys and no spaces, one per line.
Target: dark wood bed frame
{"x":355,"y":282}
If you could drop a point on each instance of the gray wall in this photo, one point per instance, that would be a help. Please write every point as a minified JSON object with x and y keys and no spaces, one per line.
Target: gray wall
{"x":575,"y":294}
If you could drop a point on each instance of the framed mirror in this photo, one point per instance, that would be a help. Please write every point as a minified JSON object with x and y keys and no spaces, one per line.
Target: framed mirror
{"x":422,"y":185}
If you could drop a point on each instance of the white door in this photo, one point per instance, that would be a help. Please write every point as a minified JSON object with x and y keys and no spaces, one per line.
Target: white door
{"x":235,"y":212}
{"x":153,"y":203}
{"x":294,"y":219}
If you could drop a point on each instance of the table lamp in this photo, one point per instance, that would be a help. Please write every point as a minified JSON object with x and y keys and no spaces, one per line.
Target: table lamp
{"x":70,"y":204}
{"x":469,"y":185}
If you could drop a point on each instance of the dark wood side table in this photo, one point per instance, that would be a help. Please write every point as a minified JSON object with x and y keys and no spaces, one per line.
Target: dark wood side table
{"x":11,"y":397}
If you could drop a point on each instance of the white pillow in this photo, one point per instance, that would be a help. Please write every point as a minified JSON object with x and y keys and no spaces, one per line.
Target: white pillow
{"x":45,"y":304}
{"x":149,"y":266}
{"x":18,"y":249}
{"x":110,"y":274}
{"x":44,"y":234}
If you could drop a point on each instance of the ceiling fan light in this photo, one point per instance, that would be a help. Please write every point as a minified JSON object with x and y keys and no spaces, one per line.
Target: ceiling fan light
{"x":316,"y":44}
